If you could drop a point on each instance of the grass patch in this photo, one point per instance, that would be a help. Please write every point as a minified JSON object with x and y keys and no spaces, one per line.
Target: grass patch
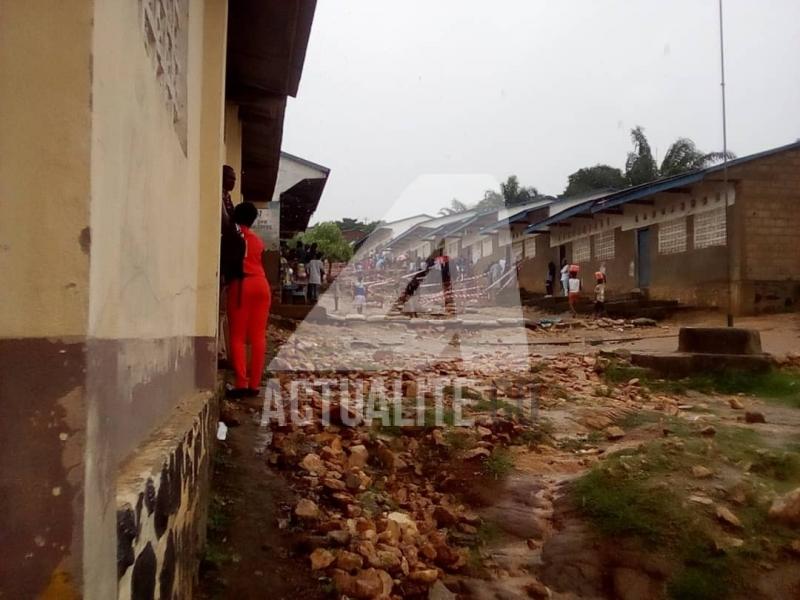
{"x":627,"y":498}
{"x":499,"y":464}
{"x":783,"y":466}
{"x":625,"y":507}
{"x":467,"y":393}
{"x":458,"y":441}
{"x":778,"y":385}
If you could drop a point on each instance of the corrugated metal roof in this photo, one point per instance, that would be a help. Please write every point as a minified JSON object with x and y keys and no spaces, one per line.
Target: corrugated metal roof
{"x":630,"y":194}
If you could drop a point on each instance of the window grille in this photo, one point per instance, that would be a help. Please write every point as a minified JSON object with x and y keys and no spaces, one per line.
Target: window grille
{"x":604,"y":245}
{"x":581,"y":250}
{"x":709,"y":228}
{"x":672,"y":236}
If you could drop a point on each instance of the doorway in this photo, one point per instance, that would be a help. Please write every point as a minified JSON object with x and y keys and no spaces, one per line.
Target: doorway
{"x":643,"y":258}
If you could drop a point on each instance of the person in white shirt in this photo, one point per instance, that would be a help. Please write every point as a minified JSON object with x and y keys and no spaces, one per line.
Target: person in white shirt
{"x":565,"y":277}
{"x":315,"y":272}
{"x":574,"y":286}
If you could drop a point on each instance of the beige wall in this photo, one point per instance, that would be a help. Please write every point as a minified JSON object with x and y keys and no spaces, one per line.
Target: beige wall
{"x":211,"y":158}
{"x":44,"y":174}
{"x":145,"y":190}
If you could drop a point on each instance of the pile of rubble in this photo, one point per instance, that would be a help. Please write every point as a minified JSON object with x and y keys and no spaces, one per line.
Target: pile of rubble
{"x":373,"y":505}
{"x":379,"y":510}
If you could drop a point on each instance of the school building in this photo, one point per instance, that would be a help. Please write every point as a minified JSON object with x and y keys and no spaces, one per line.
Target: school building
{"x":681,"y":238}
{"x":117,"y":118}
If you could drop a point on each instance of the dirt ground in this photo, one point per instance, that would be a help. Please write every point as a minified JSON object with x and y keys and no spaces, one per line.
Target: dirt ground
{"x":592,"y":480}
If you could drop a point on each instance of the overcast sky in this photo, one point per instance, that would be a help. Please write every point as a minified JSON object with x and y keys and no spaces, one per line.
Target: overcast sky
{"x":411,"y":102}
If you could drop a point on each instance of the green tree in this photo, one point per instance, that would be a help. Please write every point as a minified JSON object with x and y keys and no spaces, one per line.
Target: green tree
{"x":595,"y":179}
{"x":514,"y":194}
{"x":492,"y":200}
{"x":511,"y":194}
{"x":681,"y":156}
{"x":684,"y":156}
{"x":456,"y":207}
{"x":640,"y":167}
{"x":350,"y":224}
{"x":329,"y":240}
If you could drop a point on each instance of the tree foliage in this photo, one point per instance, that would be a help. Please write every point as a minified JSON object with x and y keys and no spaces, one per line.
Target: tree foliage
{"x":456,"y":207}
{"x":350,"y":224}
{"x":511,"y":194}
{"x":329,"y":240}
{"x":640,"y":167}
{"x":682,"y":156}
{"x":595,"y":179}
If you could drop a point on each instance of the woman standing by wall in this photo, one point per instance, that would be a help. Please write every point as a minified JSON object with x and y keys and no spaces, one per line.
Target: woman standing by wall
{"x":249,"y":300}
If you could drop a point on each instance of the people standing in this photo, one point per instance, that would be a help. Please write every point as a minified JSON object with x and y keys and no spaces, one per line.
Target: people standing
{"x":360,"y":295}
{"x":249,"y":299}
{"x":230,"y":259}
{"x":550,"y":279}
{"x":316,"y":270}
{"x":599,"y":294}
{"x":565,"y":277}
{"x":574,"y":290}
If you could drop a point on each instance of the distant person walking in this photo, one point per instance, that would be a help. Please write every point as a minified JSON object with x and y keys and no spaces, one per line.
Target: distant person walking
{"x":565,"y":277}
{"x":249,"y":299}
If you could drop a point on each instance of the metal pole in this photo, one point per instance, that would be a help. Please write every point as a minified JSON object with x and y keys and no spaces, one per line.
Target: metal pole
{"x":725,"y":165}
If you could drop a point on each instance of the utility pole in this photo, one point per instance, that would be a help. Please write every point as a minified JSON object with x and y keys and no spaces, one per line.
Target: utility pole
{"x":725,"y":166}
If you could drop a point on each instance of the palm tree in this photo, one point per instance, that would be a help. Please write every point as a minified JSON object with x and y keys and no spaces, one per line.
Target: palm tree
{"x":681,"y":156}
{"x":684,"y":156}
{"x":456,"y":206}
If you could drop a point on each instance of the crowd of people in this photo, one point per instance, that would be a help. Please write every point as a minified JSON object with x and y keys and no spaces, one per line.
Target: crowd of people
{"x":303,"y":270}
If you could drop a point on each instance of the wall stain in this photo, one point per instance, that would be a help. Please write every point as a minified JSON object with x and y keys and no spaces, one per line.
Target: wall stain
{"x":85,"y":239}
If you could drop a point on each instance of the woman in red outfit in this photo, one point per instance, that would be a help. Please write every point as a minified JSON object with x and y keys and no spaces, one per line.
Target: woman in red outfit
{"x":249,"y":300}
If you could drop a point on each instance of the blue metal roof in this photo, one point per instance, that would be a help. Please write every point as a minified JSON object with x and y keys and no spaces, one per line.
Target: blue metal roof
{"x":630,"y":194}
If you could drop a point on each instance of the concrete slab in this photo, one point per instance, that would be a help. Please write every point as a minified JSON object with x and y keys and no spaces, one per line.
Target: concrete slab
{"x":684,"y":364}
{"x":719,"y":340}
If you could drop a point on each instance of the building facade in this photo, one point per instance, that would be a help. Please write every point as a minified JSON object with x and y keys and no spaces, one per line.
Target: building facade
{"x":685,"y":238}
{"x":117,"y":118}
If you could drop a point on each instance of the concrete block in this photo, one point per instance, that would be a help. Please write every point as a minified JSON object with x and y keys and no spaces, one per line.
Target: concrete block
{"x":684,"y":364}
{"x":719,"y":340}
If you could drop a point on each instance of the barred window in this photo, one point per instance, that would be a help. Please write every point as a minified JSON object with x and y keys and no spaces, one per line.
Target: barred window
{"x":709,"y":228}
{"x":672,"y":236}
{"x":581,"y":250}
{"x":486,"y":249}
{"x":452,"y":249}
{"x":604,"y":245}
{"x":530,"y":247}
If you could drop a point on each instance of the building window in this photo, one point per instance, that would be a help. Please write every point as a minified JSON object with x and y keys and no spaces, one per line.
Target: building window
{"x":581,"y":250}
{"x":486,"y":247}
{"x":165,"y":28}
{"x":530,"y":247}
{"x":604,"y":245}
{"x":709,"y":228}
{"x":672,"y":236}
{"x":452,"y":249}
